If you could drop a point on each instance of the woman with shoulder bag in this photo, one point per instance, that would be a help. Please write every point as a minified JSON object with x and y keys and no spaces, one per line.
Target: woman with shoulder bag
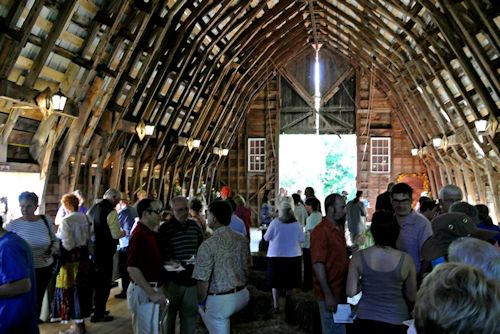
{"x":36,"y":230}
{"x":69,"y":298}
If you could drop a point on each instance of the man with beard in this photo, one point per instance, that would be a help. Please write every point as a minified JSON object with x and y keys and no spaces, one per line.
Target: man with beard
{"x":415,"y":229}
{"x":330,"y":262}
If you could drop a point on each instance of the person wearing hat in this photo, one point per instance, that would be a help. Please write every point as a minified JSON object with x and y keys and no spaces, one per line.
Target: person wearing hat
{"x":447,"y":228}
{"x":126,"y":217}
{"x":225,"y":192}
{"x":284,"y":266}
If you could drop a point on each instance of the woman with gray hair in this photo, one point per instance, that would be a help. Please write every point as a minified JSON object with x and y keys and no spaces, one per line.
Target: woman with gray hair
{"x":477,"y":253}
{"x":457,"y":298}
{"x":284,"y":265}
{"x":37,"y":231}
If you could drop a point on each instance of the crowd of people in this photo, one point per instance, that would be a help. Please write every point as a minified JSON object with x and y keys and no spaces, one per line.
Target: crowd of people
{"x":435,"y":269}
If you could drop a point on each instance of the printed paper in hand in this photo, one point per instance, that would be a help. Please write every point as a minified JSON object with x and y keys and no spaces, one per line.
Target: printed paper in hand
{"x":343,"y":314}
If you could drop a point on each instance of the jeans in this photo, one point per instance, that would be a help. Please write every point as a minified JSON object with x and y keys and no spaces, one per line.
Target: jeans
{"x":327,"y":323}
{"x":219,"y":309}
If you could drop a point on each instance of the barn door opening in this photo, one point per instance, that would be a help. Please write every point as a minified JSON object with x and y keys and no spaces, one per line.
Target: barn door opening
{"x":317,"y":124}
{"x":13,"y":184}
{"x":325,"y":162}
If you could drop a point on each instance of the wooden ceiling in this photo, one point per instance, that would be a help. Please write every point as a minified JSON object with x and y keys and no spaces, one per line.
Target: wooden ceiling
{"x":191,"y":68}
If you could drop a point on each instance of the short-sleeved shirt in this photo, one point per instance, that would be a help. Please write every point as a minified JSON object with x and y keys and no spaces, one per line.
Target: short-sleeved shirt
{"x":311,"y":222}
{"x":38,"y":236}
{"x":180,"y":242}
{"x":284,"y":239}
{"x":144,"y":253}
{"x":328,"y":246}
{"x":415,"y":229}
{"x":18,"y":314}
{"x":224,"y":260}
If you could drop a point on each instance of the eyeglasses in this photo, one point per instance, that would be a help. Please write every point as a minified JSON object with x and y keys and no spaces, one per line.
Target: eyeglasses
{"x":401,"y":201}
{"x":157,"y":211}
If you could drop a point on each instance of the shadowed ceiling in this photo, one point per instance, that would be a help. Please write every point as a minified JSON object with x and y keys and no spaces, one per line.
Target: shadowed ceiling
{"x":191,"y":68}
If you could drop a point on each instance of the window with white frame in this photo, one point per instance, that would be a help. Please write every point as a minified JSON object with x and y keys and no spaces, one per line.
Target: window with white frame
{"x":380,"y":154}
{"x":256,"y":155}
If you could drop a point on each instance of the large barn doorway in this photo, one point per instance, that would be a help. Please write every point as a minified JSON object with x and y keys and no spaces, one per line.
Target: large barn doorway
{"x":317,"y":124}
{"x":325,"y":162}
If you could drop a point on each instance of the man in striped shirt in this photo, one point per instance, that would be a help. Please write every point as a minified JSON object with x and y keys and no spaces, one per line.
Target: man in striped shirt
{"x":180,"y":238}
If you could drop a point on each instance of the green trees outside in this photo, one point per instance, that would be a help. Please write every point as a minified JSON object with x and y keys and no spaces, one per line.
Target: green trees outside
{"x":327,"y":163}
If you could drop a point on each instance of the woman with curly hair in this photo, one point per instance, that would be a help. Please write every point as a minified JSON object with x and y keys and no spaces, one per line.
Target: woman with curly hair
{"x":69,"y":299}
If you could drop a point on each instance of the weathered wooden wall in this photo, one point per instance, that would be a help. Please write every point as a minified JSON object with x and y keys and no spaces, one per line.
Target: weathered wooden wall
{"x":262,"y":121}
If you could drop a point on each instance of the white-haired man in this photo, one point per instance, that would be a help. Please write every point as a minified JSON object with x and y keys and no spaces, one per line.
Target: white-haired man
{"x":448,"y":195}
{"x":107,"y":232}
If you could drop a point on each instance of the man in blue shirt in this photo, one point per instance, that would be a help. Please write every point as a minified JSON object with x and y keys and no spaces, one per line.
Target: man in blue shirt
{"x":126,"y":218}
{"x":18,"y":307}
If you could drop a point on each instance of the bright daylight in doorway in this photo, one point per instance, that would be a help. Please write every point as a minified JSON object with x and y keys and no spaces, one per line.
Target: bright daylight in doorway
{"x":325,"y":162}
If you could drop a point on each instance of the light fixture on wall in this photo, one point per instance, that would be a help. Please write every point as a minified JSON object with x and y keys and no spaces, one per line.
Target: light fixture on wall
{"x":58,"y":101}
{"x":149,"y":129}
{"x":220,"y":151}
{"x":414,"y":151}
{"x":189,"y":142}
{"x":49,"y":103}
{"x":481,"y":126}
{"x":436,"y":141}
{"x":144,"y":130}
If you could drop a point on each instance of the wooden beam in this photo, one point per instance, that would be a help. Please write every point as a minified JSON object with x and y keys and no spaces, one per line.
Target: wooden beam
{"x":18,"y":167}
{"x":335,"y":87}
{"x":63,"y":19}
{"x":11,"y":52}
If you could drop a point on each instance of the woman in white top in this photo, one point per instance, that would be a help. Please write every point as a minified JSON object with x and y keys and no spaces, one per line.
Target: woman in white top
{"x":36,"y":230}
{"x":74,"y":232}
{"x":284,"y":254}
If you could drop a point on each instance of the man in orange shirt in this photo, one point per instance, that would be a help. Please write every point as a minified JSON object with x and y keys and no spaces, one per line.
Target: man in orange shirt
{"x":330,"y":262}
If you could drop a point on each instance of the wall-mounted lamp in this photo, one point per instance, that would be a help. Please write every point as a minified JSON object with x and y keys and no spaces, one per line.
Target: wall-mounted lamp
{"x":52,"y":103}
{"x":414,"y":151}
{"x":481,"y":126}
{"x":220,"y":151}
{"x":59,"y":101}
{"x":149,"y":129}
{"x":190,"y":143}
{"x":144,"y":130}
{"x":436,"y":142}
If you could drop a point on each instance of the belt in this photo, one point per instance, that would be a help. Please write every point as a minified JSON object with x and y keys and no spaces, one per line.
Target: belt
{"x":152,"y":284}
{"x":233,"y":290}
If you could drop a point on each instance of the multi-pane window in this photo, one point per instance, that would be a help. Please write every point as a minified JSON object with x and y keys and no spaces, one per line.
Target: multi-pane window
{"x":256,"y":155}
{"x":380,"y":154}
